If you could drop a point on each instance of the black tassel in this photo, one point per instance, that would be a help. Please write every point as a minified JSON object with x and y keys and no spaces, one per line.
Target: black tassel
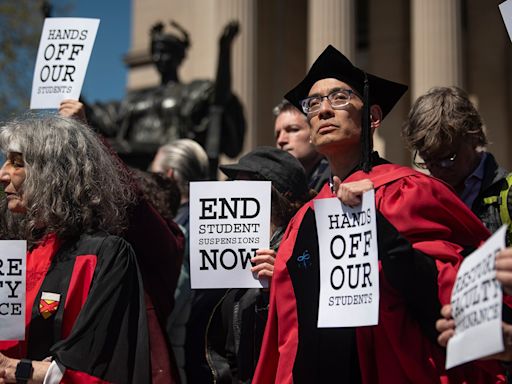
{"x":366,"y":133}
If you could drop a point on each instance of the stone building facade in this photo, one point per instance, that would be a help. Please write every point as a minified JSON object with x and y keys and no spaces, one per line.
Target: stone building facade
{"x":422,"y":43}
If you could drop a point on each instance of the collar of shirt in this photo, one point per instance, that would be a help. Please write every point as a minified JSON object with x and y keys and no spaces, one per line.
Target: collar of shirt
{"x":473,"y":183}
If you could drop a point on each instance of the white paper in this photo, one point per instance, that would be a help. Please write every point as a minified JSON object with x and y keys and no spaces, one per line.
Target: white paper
{"x":476,"y":305}
{"x":229,"y":221}
{"x":13,"y":256}
{"x":349,"y":269}
{"x":506,"y":13}
{"x":64,"y":51}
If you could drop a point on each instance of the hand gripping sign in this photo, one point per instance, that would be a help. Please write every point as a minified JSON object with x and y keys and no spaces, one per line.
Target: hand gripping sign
{"x":64,"y":51}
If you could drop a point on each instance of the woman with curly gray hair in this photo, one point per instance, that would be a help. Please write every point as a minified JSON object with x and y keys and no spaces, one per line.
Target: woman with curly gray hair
{"x":73,"y":184}
{"x":66,"y":195}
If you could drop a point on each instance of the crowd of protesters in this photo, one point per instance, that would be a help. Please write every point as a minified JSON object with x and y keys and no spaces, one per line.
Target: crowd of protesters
{"x":108,"y":287}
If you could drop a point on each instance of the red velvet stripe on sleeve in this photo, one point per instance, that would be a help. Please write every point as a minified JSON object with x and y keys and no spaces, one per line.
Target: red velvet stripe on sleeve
{"x":81,"y":279}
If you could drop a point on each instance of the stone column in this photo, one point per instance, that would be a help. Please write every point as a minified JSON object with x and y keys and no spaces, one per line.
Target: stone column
{"x":331,"y":22}
{"x":389,"y":57}
{"x":436,"y":44}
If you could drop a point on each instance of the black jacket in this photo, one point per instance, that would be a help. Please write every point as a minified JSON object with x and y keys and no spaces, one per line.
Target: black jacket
{"x":235,"y":330}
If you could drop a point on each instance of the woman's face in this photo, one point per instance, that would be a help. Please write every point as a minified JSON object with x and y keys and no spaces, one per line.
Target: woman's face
{"x":12,"y":176}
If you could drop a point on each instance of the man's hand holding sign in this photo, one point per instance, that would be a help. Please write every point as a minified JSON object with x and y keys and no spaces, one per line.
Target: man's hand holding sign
{"x":351,"y":193}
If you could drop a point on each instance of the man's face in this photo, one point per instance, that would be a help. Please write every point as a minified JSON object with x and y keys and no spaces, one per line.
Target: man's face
{"x":292,"y":134}
{"x":338,"y":129}
{"x":465,"y":160}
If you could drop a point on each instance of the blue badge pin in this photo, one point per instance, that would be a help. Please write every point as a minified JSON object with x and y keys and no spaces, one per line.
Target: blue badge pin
{"x":304,"y":260}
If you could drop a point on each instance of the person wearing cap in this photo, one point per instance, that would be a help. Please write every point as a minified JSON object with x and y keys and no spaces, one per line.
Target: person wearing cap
{"x":237,"y":323}
{"x":422,"y":231}
{"x":293,"y":134}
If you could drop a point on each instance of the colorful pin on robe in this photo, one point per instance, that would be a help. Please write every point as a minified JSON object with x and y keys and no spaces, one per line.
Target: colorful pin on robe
{"x":48,"y":304}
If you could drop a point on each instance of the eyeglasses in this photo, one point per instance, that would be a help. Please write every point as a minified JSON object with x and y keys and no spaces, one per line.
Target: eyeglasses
{"x":447,"y":162}
{"x":338,"y":98}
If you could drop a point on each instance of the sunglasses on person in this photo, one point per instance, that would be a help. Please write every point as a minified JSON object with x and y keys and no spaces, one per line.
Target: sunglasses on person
{"x":445,"y":163}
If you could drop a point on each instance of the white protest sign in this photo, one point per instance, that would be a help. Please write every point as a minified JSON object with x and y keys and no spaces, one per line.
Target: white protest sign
{"x":64,"y":50}
{"x":506,"y":13}
{"x":13,"y":256}
{"x":476,"y":305}
{"x":229,"y":221}
{"x":349,"y":268}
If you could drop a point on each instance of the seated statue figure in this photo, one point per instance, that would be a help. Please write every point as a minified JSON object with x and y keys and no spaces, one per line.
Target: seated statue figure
{"x":202,"y":110}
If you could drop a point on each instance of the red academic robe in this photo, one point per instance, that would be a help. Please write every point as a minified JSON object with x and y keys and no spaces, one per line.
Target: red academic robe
{"x":97,"y":327}
{"x":427,"y":213}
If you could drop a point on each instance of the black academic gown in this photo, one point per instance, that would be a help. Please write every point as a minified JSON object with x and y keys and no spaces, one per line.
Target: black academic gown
{"x":96,"y":328}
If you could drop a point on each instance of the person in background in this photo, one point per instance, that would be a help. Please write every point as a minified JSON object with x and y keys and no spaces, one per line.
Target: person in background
{"x":237,"y":323}
{"x":161,"y":191}
{"x":447,"y":132}
{"x":68,"y":198}
{"x":184,"y":160}
{"x":422,"y":230}
{"x":293,"y":134}
{"x":159,"y":245}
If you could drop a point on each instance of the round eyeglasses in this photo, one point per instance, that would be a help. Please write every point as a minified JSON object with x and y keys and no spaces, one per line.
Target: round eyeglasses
{"x":446,"y":162}
{"x":338,"y":98}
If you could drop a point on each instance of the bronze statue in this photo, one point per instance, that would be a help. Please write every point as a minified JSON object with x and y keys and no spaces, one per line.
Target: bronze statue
{"x":202,"y":110}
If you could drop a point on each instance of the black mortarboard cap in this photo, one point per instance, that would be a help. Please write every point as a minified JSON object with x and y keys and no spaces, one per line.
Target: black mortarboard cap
{"x":333,"y":64}
{"x":273,"y":164}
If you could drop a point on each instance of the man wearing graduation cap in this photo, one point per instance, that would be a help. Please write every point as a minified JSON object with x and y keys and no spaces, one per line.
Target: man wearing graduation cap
{"x":423,"y":229}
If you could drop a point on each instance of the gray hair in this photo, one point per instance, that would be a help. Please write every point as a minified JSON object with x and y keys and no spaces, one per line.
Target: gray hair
{"x":187,"y":159}
{"x":73,"y":183}
{"x":439,"y":118}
